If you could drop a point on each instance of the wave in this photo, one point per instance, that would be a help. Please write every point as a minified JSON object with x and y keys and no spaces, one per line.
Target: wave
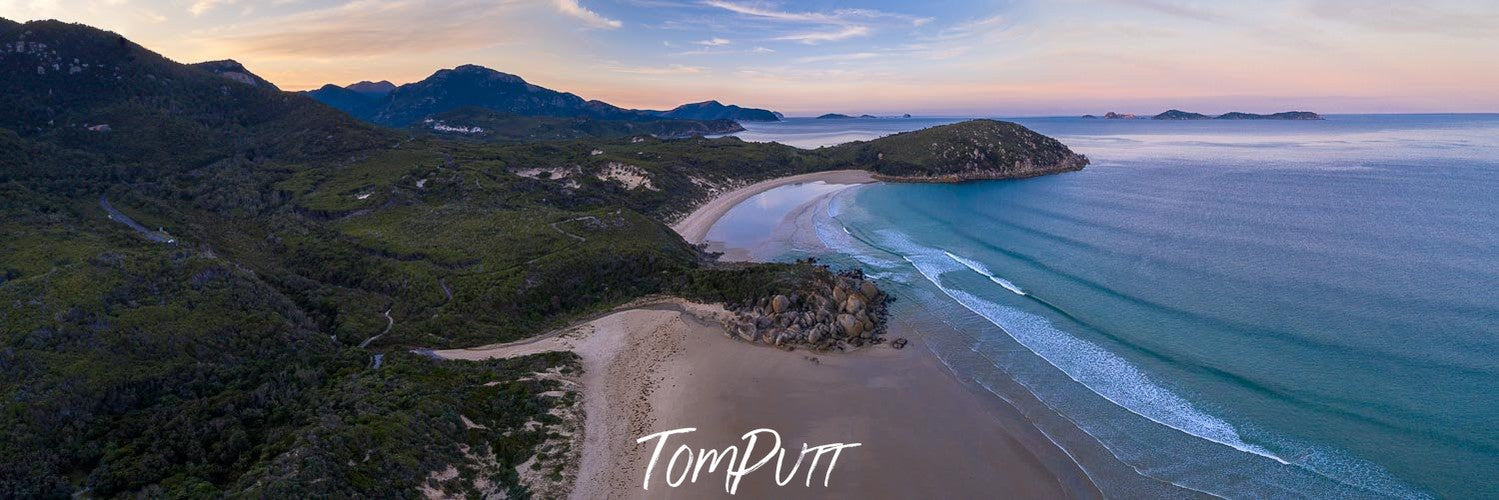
{"x":979,"y":267}
{"x":1121,"y":382}
{"x":1101,"y":371}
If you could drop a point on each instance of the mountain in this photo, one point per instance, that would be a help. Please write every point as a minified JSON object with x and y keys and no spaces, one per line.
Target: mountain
{"x":971,"y":150}
{"x":373,"y":89}
{"x":1177,"y":114}
{"x":834,"y":116}
{"x":1287,"y":115}
{"x":471,"y":86}
{"x":357,"y":104}
{"x":64,"y":84}
{"x":233,"y":70}
{"x":713,"y":110}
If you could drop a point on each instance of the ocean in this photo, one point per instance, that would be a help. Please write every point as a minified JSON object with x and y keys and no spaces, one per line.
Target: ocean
{"x":1241,"y":308}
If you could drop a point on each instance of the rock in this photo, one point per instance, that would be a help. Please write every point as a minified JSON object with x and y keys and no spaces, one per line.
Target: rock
{"x":815,"y":335}
{"x":780,"y":304}
{"x":899,"y":343}
{"x":869,"y":290}
{"x":849,"y":325}
{"x":854,"y":304}
{"x":839,"y":295}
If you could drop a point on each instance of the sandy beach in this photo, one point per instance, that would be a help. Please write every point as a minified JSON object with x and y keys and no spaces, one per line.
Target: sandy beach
{"x":664,"y":364}
{"x":694,"y":227}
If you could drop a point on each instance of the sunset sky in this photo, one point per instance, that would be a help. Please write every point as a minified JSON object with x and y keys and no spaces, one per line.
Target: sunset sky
{"x":960,"y":58}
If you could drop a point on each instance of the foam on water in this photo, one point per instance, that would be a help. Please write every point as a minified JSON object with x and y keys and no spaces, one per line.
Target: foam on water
{"x":984,"y":270}
{"x":1121,"y":382}
{"x":1096,"y":368}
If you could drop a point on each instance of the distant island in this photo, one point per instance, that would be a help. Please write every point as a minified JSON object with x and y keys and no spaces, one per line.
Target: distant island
{"x":840,"y":116}
{"x":1176,"y":114}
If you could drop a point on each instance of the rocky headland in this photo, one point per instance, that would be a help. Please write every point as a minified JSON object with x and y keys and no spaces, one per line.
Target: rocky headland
{"x":966,"y":151}
{"x":834,"y":311}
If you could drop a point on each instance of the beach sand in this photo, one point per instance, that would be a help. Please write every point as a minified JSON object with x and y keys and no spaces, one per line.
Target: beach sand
{"x":665,"y":363}
{"x":694,"y":227}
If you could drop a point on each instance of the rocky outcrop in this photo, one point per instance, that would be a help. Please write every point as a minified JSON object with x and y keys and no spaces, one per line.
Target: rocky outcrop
{"x":233,"y":70}
{"x":845,"y":311}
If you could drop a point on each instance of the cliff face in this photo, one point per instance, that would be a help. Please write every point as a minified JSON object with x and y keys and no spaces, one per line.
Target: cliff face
{"x":971,"y":150}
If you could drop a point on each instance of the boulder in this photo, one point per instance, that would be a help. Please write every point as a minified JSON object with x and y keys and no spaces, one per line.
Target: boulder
{"x":839,"y":295}
{"x":899,"y":343}
{"x":869,"y":290}
{"x":850,"y":326}
{"x":780,"y":304}
{"x":854,"y":304}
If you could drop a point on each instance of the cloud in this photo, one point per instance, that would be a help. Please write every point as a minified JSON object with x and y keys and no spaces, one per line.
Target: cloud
{"x":1449,"y":17}
{"x":593,"y":19}
{"x":838,"y":57}
{"x":201,"y":6}
{"x":675,"y":69}
{"x":827,"y":36}
{"x":366,"y":28}
{"x":840,"y":16}
{"x":713,"y":42}
{"x":838,"y":24}
{"x":1174,"y":8}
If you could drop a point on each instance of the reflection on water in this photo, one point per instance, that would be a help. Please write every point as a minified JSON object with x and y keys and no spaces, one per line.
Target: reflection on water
{"x":751,"y":223}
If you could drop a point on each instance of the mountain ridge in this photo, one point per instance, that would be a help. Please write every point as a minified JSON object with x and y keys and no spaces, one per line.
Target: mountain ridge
{"x":471,"y":85}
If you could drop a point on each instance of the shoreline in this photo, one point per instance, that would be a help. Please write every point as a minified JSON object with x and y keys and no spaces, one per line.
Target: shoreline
{"x":665,"y":363}
{"x":694,"y":227}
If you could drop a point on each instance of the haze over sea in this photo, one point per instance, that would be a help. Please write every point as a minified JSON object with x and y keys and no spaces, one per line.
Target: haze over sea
{"x":1244,"y":308}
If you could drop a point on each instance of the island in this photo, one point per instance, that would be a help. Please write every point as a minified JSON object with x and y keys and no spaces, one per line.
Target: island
{"x":1176,"y":114}
{"x":1287,"y":115}
{"x":834,"y":116}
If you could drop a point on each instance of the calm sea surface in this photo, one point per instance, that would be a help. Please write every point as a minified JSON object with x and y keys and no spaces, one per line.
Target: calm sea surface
{"x":1248,"y":309}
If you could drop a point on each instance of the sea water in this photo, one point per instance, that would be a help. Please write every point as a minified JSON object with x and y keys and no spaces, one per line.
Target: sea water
{"x":1242,"y":308}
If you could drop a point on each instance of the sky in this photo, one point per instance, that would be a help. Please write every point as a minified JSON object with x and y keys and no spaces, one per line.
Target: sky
{"x":971,"y":58}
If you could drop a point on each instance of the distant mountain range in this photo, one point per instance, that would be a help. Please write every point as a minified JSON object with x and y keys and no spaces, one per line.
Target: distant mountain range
{"x":476,"y":86}
{"x":1176,"y":114}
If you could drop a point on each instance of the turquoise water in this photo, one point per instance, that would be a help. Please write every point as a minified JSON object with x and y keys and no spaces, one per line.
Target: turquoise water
{"x":1246,"y":309}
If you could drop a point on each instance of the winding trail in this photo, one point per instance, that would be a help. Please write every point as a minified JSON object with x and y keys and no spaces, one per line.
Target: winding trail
{"x":390,"y":322}
{"x":577,"y":240}
{"x":117,"y":216}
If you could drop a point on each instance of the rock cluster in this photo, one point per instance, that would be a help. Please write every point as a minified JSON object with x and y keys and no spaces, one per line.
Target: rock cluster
{"x":845,"y":311}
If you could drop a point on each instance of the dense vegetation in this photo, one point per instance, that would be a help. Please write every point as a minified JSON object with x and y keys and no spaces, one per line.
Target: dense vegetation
{"x":483,"y":124}
{"x":975,"y":149}
{"x":240,"y":359}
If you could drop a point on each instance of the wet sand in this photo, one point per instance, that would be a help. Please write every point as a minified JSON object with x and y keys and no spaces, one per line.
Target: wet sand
{"x":667,"y":365}
{"x":695,"y":226}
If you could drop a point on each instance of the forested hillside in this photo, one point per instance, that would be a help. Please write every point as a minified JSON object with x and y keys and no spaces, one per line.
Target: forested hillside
{"x":263,"y":350}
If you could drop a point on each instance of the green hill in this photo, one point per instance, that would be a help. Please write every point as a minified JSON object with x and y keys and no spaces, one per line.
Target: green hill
{"x":971,"y":150}
{"x":480,"y":123}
